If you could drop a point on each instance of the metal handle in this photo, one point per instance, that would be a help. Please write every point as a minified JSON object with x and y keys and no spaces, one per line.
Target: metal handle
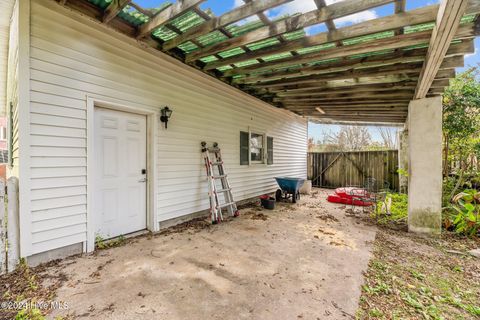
{"x":143,"y":180}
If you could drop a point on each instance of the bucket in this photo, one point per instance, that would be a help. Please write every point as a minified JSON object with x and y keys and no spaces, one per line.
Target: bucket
{"x":267,"y":202}
{"x":306,"y":187}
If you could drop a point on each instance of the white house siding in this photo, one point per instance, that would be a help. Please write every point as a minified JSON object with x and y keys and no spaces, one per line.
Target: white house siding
{"x":6,"y":7}
{"x":70,"y":60}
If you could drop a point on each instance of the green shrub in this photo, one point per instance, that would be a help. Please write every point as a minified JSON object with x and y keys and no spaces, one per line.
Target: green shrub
{"x":463,"y":213}
{"x":29,"y":314}
{"x":398,"y":211}
{"x":448,"y":186}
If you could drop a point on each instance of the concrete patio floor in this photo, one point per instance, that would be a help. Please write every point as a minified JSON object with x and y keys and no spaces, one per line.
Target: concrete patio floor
{"x":297,"y":261}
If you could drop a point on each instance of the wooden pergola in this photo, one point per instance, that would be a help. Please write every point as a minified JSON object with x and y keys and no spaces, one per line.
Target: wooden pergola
{"x":364,"y":72}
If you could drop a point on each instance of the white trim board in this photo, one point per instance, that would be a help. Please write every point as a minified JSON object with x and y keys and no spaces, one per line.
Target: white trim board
{"x":152,"y":128}
{"x":24,"y":167}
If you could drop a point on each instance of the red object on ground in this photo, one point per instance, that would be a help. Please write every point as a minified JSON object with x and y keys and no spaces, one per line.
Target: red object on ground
{"x":345,"y":196}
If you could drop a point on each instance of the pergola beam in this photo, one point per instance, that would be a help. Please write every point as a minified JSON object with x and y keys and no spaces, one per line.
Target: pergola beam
{"x":448,"y":20}
{"x":365,"y":103}
{"x":362,"y":119}
{"x":396,"y":42}
{"x":114,"y":9}
{"x":376,"y":95}
{"x":416,"y":55}
{"x":361,"y":79}
{"x":390,"y":43}
{"x":230,"y":17}
{"x":329,"y":23}
{"x":360,"y":85}
{"x":417,"y":16}
{"x":347,"y":83}
{"x":331,"y":109}
{"x":334,"y":11}
{"x":322,"y":91}
{"x":163,"y":17}
{"x":400,"y":68}
{"x":396,"y":21}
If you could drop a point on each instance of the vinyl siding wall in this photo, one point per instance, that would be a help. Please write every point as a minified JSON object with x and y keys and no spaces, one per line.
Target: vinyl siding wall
{"x":71,"y":60}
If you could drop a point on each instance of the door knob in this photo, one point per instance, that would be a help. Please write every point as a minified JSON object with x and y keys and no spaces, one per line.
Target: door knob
{"x":143,"y":180}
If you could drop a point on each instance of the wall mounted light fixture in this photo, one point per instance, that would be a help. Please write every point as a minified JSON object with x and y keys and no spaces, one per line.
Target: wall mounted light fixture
{"x":166,"y":113}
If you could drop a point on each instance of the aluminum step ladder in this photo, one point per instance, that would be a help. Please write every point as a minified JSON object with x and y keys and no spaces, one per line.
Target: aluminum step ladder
{"x":218,"y":192}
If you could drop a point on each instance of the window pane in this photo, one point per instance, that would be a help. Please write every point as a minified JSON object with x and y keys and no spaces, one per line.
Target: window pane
{"x":256,"y":147}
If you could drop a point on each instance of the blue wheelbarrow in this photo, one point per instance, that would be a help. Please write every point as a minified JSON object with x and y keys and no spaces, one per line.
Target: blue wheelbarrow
{"x":289,"y":187}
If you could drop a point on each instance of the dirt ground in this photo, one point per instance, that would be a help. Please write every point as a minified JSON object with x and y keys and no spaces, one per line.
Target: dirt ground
{"x":297,"y":261}
{"x":414,"y":277}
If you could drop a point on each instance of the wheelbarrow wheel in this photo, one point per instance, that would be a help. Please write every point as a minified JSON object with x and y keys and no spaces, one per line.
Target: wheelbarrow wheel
{"x":296,"y":197}
{"x":278,"y":195}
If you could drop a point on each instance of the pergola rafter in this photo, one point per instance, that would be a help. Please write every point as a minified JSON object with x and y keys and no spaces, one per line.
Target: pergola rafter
{"x":166,"y":15}
{"x":224,"y":20}
{"x":422,"y":15}
{"x":349,"y":72}
{"x":334,"y":11}
{"x":114,"y":9}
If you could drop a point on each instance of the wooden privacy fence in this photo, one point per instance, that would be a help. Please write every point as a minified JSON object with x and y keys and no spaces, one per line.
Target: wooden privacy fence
{"x":353,"y":168}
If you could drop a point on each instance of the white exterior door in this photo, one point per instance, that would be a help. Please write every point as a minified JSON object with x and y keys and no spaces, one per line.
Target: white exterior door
{"x":120,"y":192}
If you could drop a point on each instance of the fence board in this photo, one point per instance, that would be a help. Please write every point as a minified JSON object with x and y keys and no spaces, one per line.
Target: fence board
{"x":339,"y":169}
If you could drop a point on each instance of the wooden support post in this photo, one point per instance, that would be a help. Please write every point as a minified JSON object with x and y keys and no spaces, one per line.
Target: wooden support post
{"x":448,"y":20}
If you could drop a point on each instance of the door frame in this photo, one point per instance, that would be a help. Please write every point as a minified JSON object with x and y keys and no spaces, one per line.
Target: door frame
{"x":152,"y":114}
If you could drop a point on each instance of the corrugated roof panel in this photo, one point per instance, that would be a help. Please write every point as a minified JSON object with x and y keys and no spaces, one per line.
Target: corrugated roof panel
{"x":187,"y":21}
{"x":164,"y":34}
{"x":370,"y":54}
{"x":294,"y":35}
{"x":132,"y":16}
{"x":188,"y":47}
{"x":211,"y":38}
{"x":224,"y":68}
{"x":246,"y":63}
{"x":370,"y":37}
{"x":263,"y":44}
{"x":231,"y":52}
{"x":101,"y":3}
{"x":209,"y":59}
{"x":277,"y":56}
{"x":237,"y":30}
{"x":316,"y":48}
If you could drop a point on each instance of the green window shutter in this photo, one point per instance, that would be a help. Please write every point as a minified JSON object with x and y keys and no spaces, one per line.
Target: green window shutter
{"x":244,"y":148}
{"x":269,"y":150}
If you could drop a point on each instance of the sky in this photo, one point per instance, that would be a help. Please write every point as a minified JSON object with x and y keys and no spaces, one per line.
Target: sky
{"x":299,"y":6}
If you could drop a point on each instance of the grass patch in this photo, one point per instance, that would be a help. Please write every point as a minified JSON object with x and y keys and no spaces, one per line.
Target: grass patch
{"x":101,"y":243}
{"x":25,"y":288}
{"x":410,"y":277}
{"x":397,"y":212}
